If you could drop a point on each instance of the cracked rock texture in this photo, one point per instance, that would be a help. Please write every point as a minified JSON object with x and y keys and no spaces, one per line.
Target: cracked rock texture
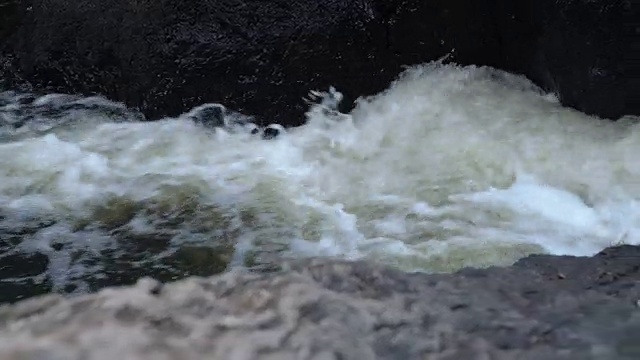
{"x":543,"y":307}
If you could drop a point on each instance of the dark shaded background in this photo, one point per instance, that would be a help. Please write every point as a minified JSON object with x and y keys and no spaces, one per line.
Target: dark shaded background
{"x":262,"y":57}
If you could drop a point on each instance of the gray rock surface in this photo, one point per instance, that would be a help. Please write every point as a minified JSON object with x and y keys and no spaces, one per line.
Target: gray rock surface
{"x":543,"y":307}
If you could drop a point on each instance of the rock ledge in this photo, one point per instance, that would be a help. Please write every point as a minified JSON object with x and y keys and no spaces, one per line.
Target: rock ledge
{"x":543,"y":307}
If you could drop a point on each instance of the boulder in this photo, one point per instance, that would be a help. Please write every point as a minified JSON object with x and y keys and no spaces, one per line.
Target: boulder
{"x":261,"y":57}
{"x":543,"y":307}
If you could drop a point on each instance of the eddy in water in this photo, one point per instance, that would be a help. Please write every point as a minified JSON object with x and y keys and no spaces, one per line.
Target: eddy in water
{"x":450,"y":167}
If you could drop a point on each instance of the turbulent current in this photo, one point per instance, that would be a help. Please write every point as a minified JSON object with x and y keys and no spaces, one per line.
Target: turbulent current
{"x":449,"y":167}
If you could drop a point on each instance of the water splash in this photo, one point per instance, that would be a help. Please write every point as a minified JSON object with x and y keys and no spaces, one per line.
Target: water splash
{"x":450,"y":167}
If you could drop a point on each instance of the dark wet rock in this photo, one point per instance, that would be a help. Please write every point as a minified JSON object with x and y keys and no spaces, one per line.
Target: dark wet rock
{"x":272,"y":131}
{"x":218,"y":116}
{"x":253,"y":129}
{"x":261,"y":57}
{"x":211,"y":115}
{"x":19,"y":265}
{"x":12,"y":291}
{"x":543,"y":307}
{"x":581,"y":51}
{"x":23,"y":276}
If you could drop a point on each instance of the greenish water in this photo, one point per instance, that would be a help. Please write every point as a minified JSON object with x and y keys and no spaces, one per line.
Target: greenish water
{"x":449,"y":167}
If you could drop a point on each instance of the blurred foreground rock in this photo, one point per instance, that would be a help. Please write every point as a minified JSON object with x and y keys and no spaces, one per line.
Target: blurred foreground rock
{"x":543,"y":307}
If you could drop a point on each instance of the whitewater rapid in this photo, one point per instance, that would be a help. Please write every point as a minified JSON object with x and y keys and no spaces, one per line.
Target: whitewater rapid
{"x":449,"y":167}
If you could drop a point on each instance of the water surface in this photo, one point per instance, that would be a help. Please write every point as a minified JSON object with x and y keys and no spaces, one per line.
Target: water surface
{"x":449,"y":167}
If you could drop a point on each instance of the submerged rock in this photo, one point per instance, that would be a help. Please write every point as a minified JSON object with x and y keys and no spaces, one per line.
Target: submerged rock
{"x":273,"y":131}
{"x":543,"y":307}
{"x":23,"y":276}
{"x":262,"y":57}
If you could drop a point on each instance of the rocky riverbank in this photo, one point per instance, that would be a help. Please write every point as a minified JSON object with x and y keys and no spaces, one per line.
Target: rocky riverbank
{"x":542,"y":307}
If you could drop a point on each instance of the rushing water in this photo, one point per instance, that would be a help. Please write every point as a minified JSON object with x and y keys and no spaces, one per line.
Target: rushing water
{"x":449,"y":167}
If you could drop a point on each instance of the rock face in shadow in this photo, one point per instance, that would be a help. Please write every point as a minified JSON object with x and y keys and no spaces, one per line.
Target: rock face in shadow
{"x":262,"y":57}
{"x":543,"y":307}
{"x":581,"y":55}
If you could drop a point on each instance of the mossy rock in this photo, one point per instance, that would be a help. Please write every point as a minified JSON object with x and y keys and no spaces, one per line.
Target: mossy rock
{"x":116,"y":212}
{"x":201,"y":260}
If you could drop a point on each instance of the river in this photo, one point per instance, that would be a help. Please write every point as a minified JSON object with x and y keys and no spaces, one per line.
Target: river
{"x":449,"y":167}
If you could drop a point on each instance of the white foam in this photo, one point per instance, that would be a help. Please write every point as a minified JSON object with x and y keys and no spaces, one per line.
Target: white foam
{"x":449,"y":167}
